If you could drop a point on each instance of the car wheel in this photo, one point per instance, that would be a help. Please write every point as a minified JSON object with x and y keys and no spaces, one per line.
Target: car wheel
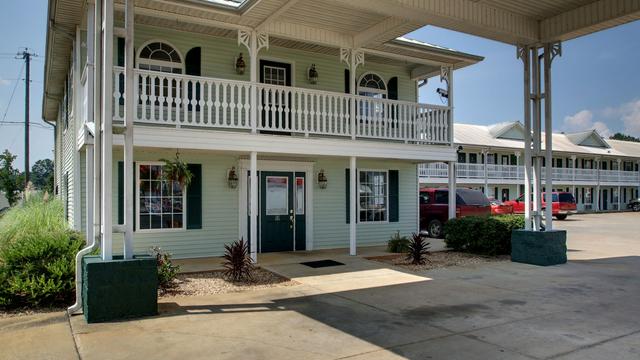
{"x":636,"y":207}
{"x":435,"y":229}
{"x":561,"y":216}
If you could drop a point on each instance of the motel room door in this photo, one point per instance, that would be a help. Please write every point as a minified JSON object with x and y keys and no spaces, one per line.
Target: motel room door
{"x":282,"y":211}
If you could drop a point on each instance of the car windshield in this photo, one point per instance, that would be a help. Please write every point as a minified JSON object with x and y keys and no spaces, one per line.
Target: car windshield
{"x":472,"y":197}
{"x":495,"y":202}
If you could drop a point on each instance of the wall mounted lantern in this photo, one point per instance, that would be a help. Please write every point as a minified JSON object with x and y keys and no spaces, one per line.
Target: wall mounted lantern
{"x":322,"y":179}
{"x":240,"y":65}
{"x":312,"y":74}
{"x":232,"y":178}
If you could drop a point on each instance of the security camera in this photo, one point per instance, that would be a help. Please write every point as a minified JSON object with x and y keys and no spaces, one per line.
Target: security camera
{"x":442,"y":92}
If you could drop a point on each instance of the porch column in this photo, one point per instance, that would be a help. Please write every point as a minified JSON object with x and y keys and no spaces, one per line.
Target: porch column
{"x":96,"y":111}
{"x":619,"y":179}
{"x":92,"y":187}
{"x":485,"y":155}
{"x":517,"y":154}
{"x":353,"y":58}
{"x":638,"y":188}
{"x":253,"y":201}
{"x":596,"y":198}
{"x":548,"y":133}
{"x":537,"y":141}
{"x":107,"y":130}
{"x":89,"y":193}
{"x":573,"y":175}
{"x":352,"y":205}
{"x":525,"y":55}
{"x":254,"y":41}
{"x":129,"y":114}
{"x":452,"y":189}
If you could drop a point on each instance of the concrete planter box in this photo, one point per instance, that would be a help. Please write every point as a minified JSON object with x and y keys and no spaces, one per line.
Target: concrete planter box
{"x":119,"y":289}
{"x":542,"y":248}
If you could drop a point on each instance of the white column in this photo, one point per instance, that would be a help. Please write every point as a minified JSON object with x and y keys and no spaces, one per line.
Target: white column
{"x":596,"y":197}
{"x":619,"y":195}
{"x":253,"y":211}
{"x":89,"y":192}
{"x":129,"y":114}
{"x":537,"y":141}
{"x":352,"y":204}
{"x":107,"y":131}
{"x":97,"y":119}
{"x":573,"y":175}
{"x":548,"y":132}
{"x":452,"y":189}
{"x":253,"y":77}
{"x":485,"y":154}
{"x":525,"y":55}
{"x":638,"y":188}
{"x":354,"y":91}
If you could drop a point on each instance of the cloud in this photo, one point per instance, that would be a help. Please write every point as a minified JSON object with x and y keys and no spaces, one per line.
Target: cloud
{"x":4,"y":82}
{"x":628,"y":114}
{"x":583,"y":120}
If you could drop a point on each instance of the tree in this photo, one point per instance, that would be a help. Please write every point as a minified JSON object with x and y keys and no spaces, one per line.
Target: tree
{"x":11,"y":180}
{"x":624,"y":137}
{"x":42,"y":175}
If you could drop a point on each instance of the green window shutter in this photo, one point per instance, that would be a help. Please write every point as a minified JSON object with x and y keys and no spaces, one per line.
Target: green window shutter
{"x":394,"y":213}
{"x":347,"y":81}
{"x":120,"y":192}
{"x":194,"y":198}
{"x":347,"y":177}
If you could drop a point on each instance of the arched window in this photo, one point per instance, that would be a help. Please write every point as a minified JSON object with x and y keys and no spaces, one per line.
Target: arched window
{"x":372,"y":85}
{"x":160,"y":56}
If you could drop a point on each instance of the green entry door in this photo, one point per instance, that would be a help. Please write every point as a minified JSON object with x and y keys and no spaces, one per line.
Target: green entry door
{"x":277,"y":214}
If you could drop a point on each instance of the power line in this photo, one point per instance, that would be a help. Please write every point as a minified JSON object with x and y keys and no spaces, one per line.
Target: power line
{"x":15,"y":85}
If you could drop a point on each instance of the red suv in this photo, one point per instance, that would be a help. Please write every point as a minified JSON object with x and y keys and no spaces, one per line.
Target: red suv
{"x":563,"y":204}
{"x":434,"y":207}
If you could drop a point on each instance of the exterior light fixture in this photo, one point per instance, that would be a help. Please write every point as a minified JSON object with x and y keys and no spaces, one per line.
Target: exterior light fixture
{"x":322,"y":179}
{"x":232,"y":178}
{"x":240,"y":65}
{"x":312,"y":74}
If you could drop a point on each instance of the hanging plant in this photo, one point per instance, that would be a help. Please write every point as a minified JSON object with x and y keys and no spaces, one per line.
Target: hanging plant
{"x":176,"y":170}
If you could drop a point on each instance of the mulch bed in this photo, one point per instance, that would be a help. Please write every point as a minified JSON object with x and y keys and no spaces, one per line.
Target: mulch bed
{"x":439,"y":259}
{"x":214,"y":282}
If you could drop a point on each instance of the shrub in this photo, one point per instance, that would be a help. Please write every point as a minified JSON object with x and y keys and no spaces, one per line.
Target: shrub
{"x":167,"y":272}
{"x":480,"y":235}
{"x":418,"y":249}
{"x":37,"y":255}
{"x":397,"y":243}
{"x":237,"y":262}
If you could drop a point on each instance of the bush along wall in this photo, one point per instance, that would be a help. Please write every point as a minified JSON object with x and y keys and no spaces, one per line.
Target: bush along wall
{"x":37,"y":255}
{"x":481,"y":235}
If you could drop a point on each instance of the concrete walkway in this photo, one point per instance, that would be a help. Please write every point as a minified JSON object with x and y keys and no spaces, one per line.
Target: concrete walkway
{"x":586,"y":309}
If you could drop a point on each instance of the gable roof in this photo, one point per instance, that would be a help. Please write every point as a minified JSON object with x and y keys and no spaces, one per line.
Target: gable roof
{"x":588,"y":138}
{"x":508,"y":130}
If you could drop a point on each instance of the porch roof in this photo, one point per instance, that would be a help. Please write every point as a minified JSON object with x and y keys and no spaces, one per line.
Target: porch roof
{"x":373,"y":25}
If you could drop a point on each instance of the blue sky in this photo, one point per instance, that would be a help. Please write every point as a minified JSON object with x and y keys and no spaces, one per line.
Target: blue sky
{"x":596,"y":82}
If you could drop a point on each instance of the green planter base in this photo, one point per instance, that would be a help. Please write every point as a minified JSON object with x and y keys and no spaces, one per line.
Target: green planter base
{"x":119,"y":289}
{"x":542,"y":248}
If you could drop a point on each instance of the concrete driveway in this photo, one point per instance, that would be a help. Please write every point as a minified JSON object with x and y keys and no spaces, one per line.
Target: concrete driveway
{"x":586,"y":309}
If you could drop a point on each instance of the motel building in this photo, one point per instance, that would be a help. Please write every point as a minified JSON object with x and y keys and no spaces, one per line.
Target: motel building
{"x":602,"y":174}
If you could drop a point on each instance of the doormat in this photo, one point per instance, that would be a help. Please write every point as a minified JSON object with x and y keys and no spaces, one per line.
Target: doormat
{"x":321,"y":263}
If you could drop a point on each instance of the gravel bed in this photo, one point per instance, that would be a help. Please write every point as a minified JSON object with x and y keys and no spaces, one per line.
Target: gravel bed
{"x":214,"y":282}
{"x":439,"y":259}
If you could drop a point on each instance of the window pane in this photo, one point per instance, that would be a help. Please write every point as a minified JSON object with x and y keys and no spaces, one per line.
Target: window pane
{"x":373,"y":196}
{"x":156,"y":221}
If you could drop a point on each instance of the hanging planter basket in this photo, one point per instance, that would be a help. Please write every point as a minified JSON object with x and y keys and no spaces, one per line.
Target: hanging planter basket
{"x":177,"y":170}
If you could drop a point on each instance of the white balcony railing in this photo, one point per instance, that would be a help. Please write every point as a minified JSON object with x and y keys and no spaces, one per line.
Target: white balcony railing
{"x":181,"y":100}
{"x":496,"y":173}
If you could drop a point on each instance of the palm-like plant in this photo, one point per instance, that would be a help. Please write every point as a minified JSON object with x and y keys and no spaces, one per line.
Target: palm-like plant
{"x":418,"y":249}
{"x":237,"y":262}
{"x":177,"y":170}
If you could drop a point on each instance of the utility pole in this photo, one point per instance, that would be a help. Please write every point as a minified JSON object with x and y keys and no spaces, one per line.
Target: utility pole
{"x":26,"y":56}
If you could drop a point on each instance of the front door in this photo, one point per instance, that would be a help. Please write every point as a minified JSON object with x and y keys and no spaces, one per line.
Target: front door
{"x":282,"y":211}
{"x":605,"y":199}
{"x":275,"y":101}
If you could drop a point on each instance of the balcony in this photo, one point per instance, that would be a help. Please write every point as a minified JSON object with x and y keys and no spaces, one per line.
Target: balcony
{"x":514,"y":173}
{"x":178,"y":100}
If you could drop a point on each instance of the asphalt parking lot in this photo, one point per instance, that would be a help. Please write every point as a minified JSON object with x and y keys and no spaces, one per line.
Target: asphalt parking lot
{"x":585,"y":309}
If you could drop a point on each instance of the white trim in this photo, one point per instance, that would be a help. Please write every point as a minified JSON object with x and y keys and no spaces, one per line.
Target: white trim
{"x":157,"y":62}
{"x":386,"y":210}
{"x":384,"y":92}
{"x":137,"y":199}
{"x":283,"y":166}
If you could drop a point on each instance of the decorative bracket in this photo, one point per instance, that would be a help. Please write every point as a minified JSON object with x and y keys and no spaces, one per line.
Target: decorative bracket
{"x":522,"y":52}
{"x":445,"y":71}
{"x":352,"y":57}
{"x":262,"y":41}
{"x":555,"y":49}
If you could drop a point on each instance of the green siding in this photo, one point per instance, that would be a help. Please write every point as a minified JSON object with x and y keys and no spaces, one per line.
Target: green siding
{"x":219,"y":54}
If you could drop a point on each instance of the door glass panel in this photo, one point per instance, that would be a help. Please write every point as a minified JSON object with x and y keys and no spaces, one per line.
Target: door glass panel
{"x":277,"y":194}
{"x":300,"y":196}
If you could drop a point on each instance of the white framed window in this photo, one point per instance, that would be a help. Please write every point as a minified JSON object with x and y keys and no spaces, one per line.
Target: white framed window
{"x":160,"y":204}
{"x":160,"y":56}
{"x":373,"y":196}
{"x":372,"y":85}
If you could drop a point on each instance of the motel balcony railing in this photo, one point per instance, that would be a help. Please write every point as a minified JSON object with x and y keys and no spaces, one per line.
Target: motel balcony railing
{"x":507,"y":173}
{"x":202,"y":102}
